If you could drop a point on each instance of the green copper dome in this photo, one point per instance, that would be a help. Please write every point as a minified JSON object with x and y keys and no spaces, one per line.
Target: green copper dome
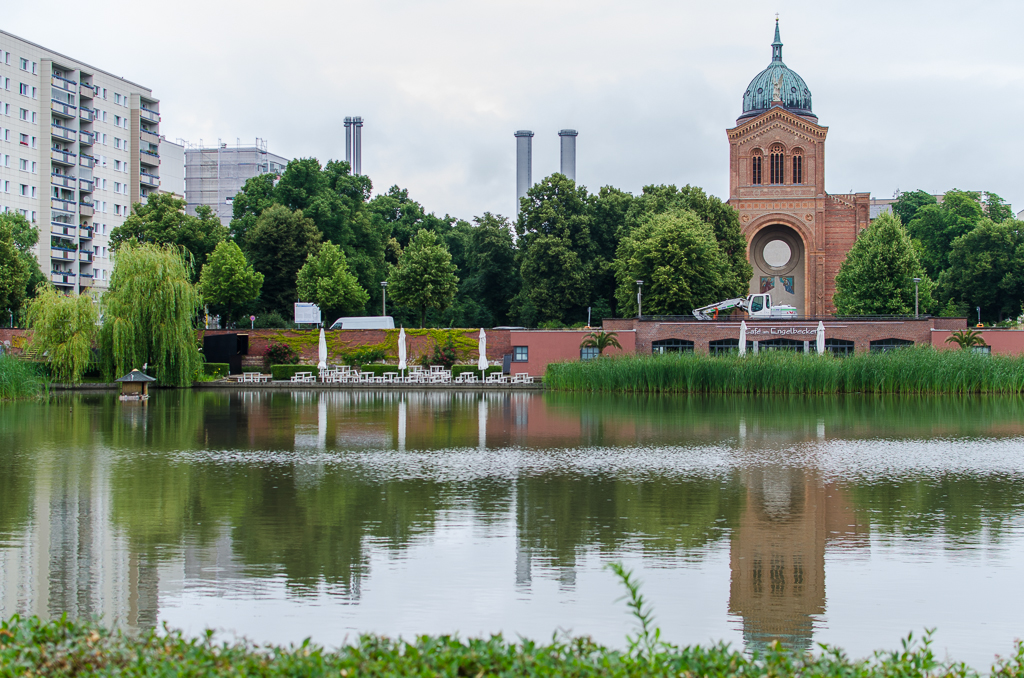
{"x":777,"y":83}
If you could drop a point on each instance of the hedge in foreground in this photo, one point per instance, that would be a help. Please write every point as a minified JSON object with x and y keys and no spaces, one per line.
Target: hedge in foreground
{"x":905,"y":371}
{"x":61,"y":648}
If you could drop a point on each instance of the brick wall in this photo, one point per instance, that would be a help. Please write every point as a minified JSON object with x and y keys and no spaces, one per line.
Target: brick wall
{"x":1007,"y":342}
{"x":861,"y":332}
{"x":14,"y":338}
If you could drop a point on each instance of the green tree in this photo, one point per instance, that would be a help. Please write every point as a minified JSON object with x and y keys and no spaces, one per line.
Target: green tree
{"x":425,"y":276}
{"x":677,"y":256}
{"x":935,"y":227}
{"x":162,"y":221}
{"x":25,"y":237}
{"x":228,"y":282}
{"x":335,"y":201}
{"x":608,"y":210}
{"x":558,"y":258}
{"x":986,"y":268}
{"x":908,"y":203}
{"x":722,"y":218}
{"x":996,"y":208}
{"x":14,"y":270}
{"x":64,"y":329}
{"x":491,"y":277}
{"x":601,"y":340}
{"x":326,"y":281}
{"x":877,"y":276}
{"x":150,"y":311}
{"x":278,"y":244}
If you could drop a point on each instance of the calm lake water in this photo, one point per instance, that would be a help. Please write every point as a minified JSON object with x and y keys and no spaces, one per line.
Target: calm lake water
{"x":282,"y":515}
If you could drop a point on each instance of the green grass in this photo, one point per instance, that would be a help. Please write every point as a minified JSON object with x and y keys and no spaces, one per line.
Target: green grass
{"x":20,"y":378}
{"x":65,"y":648}
{"x":912,"y":371}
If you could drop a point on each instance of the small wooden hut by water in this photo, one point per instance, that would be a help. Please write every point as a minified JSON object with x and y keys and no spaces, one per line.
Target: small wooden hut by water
{"x":135,"y":386}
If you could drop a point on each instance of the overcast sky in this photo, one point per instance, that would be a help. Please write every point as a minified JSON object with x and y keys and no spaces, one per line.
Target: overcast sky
{"x":916,"y":94}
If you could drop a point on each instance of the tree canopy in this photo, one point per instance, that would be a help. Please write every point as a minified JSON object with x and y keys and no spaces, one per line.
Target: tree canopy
{"x":425,"y":276}
{"x":986,"y":269}
{"x":14,"y":270}
{"x":278,"y":244}
{"x":64,"y":330}
{"x":678,"y":257}
{"x":162,"y":221}
{"x":937,"y":226}
{"x":160,"y":333}
{"x":326,"y":281}
{"x":877,"y":276}
{"x":228,"y":282}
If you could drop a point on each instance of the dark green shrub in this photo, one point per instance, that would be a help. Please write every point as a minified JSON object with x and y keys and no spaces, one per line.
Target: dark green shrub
{"x":286,"y":372}
{"x":219,"y":370}
{"x":279,"y":354}
{"x":271,"y":321}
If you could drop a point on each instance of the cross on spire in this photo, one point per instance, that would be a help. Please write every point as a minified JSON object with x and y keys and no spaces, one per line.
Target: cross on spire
{"x":777,"y":45}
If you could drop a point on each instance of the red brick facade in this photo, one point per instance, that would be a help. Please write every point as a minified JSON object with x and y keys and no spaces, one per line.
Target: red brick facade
{"x":792,"y":203}
{"x":861,"y":332}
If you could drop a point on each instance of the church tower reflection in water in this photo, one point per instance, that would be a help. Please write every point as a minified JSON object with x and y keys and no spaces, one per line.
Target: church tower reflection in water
{"x":778,"y":553}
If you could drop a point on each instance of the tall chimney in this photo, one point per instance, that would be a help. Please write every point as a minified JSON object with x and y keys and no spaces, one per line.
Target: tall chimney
{"x":348,"y":142}
{"x":524,"y":164}
{"x":357,"y":145}
{"x":567,"y":137}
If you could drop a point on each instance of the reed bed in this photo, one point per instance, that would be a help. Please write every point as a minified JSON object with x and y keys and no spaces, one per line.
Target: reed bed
{"x":20,"y":379}
{"x":911,"y":371}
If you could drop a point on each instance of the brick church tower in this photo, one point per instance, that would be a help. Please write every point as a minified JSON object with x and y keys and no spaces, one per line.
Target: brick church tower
{"x":797,"y":234}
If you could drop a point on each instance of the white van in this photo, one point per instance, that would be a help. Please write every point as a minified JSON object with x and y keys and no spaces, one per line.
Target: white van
{"x":366,"y":322}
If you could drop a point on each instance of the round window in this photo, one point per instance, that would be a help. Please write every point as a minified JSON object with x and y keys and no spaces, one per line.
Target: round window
{"x":777,"y":253}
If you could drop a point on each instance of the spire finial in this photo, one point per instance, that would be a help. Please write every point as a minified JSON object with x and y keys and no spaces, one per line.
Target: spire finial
{"x":777,"y":45}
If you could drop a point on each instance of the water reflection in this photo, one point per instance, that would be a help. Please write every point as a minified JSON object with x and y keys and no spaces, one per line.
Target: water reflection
{"x":123,"y":511}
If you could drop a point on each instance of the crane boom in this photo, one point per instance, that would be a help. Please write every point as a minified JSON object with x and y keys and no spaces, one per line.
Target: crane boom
{"x":711,"y":311}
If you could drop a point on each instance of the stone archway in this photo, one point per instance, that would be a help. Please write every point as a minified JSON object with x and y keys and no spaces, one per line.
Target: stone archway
{"x":777,"y":255}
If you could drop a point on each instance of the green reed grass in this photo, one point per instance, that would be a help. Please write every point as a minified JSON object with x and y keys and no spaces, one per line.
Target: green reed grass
{"x":911,"y":371}
{"x":20,"y":378}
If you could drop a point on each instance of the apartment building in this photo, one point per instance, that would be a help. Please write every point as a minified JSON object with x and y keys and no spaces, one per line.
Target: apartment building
{"x":213,"y":176}
{"x":78,"y":146}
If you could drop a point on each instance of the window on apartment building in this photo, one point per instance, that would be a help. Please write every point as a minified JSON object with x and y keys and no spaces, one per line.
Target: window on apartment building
{"x":117,"y":165}
{"x":117,"y":98}
{"x":23,"y":139}
{"x":7,"y":161}
{"x":23,"y":164}
{"x":104,"y":138}
{"x":34,"y":166}
{"x":117,"y":209}
{"x":117,"y":187}
{"x":33,"y":117}
{"x":117,"y":120}
{"x":34,"y":142}
{"x":7,"y":110}
{"x":23,"y":114}
{"x":23,"y":190}
{"x":7,"y":187}
{"x":117,"y":143}
{"x":23,"y":64}
{"x":33,"y":191}
{"x":24,"y":90}
{"x":7,"y":58}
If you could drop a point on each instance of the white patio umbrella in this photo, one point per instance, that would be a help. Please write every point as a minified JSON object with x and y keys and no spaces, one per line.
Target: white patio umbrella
{"x":401,"y":350}
{"x":323,"y":350}
{"x":481,"y":363}
{"x":743,"y":337}
{"x":821,"y":338}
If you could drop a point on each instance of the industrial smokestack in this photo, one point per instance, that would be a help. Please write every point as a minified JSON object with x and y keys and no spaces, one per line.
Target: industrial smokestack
{"x":568,"y":143}
{"x":524,"y":164}
{"x":357,"y":145}
{"x":348,"y":142}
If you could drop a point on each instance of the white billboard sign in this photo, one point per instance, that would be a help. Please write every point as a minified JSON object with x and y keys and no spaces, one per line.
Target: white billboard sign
{"x":307,"y":313}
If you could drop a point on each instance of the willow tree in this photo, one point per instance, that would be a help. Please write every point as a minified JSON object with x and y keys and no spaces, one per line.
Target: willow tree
{"x":150,"y":312}
{"x":63,"y":329}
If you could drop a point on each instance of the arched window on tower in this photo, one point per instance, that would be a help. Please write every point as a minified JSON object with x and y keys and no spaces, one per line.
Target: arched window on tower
{"x":755,"y":167}
{"x":798,"y":166}
{"x":777,"y":157}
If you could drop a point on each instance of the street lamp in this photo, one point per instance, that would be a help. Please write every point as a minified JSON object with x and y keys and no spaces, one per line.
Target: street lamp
{"x":978,"y":309}
{"x":639,"y":298}
{"x":384,"y":299}
{"x":916,"y":283}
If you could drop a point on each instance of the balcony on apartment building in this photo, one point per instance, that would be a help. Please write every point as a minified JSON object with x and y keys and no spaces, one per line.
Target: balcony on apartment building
{"x":59,"y":204}
{"x":63,"y":230}
{"x":63,"y":254}
{"x":85,"y":208}
{"x":86,"y":255}
{"x":87,"y":114}
{"x":149,"y":179}
{"x":87,"y":90}
{"x":63,"y":278}
{"x":63,"y":133}
{"x":63,"y":83}
{"x":151,"y":158}
{"x":85,"y":185}
{"x":87,"y":160}
{"x":63,"y":180}
{"x":62,"y":156}
{"x":148,"y":114}
{"x":85,"y":279}
{"x":87,"y":138}
{"x":62,"y":109}
{"x":147,"y":137}
{"x":85,"y":232}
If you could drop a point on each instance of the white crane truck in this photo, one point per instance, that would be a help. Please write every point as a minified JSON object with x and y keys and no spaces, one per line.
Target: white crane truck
{"x":756,"y":306}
